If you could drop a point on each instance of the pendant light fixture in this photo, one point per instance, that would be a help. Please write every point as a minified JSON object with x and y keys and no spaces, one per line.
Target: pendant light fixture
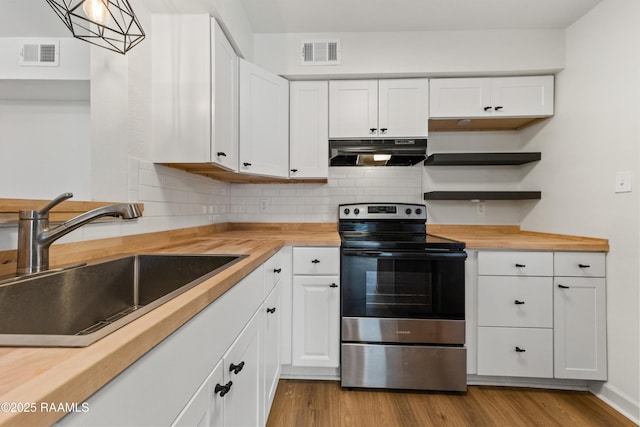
{"x":110,"y":24}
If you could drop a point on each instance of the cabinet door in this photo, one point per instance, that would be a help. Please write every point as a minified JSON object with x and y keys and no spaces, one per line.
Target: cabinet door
{"x":242,"y":404}
{"x":454,"y":98}
{"x":580,"y":328}
{"x":353,"y":109}
{"x":264,"y":122}
{"x":309,"y":125}
{"x":224,"y":100}
{"x":403,"y":108}
{"x":180,"y":88}
{"x":316,"y":326}
{"x":522,"y":96}
{"x":271,"y":349}
{"x":205,"y":407}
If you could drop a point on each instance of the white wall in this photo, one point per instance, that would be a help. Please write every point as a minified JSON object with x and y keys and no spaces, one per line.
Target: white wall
{"x":419,"y":53}
{"x":596,"y":132}
{"x":480,"y":178}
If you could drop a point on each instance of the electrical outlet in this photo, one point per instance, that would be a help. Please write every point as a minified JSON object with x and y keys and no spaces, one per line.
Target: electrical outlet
{"x":264,"y":205}
{"x":623,"y":182}
{"x":480,"y":208}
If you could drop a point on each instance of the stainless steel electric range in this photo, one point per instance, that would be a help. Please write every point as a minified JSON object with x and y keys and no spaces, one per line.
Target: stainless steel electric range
{"x":402,"y":301}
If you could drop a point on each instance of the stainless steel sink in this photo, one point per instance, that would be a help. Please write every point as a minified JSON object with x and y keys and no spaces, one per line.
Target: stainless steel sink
{"x":75,"y":307}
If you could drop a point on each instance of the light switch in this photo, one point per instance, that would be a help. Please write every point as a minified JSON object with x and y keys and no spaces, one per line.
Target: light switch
{"x":623,"y":181}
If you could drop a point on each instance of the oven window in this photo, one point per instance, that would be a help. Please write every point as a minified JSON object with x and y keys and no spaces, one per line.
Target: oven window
{"x":402,"y":286}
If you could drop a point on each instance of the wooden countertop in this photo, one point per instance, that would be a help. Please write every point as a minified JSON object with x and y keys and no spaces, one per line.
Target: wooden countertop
{"x":67,"y":375}
{"x":513,"y":238}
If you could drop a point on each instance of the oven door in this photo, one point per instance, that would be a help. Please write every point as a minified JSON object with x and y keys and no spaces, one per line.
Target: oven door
{"x":402,"y":284}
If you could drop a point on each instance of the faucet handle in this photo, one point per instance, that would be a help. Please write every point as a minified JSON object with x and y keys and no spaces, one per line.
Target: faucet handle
{"x":61,"y":198}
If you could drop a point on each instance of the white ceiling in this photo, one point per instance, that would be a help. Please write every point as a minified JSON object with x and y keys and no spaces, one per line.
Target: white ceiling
{"x":310,"y":16}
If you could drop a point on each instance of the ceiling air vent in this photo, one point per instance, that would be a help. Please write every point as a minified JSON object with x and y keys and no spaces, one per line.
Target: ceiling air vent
{"x":40,"y":54}
{"x":320,"y":52}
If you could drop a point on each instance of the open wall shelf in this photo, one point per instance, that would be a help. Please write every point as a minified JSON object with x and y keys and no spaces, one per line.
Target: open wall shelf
{"x":483,"y":195}
{"x":479,"y":159}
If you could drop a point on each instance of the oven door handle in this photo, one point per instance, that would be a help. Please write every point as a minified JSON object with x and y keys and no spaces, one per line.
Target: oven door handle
{"x":427,"y":254}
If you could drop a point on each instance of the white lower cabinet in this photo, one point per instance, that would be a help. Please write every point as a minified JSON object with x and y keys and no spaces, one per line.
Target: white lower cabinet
{"x":541,"y":314}
{"x":316,"y":324}
{"x":206,"y":407}
{"x":271,"y":312}
{"x":580,"y":328}
{"x":241,"y":366}
{"x":515,"y":352}
{"x":221,"y":368}
{"x":315,"y":337}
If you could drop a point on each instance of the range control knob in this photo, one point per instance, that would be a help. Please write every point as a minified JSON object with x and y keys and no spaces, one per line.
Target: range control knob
{"x":418,"y":211}
{"x":356,"y":211}
{"x":346,"y":211}
{"x":407,"y":211}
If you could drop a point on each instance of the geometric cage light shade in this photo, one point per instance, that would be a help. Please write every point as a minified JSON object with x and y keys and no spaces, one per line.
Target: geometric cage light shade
{"x":110,"y":24}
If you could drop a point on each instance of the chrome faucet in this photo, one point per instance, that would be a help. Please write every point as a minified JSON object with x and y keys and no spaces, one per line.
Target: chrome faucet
{"x":35,"y":236}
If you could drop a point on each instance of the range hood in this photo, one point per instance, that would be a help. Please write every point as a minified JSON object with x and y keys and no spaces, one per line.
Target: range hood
{"x":376,"y":152}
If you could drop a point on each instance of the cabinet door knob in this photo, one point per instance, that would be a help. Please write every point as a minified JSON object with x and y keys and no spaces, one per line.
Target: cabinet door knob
{"x":487,"y":108}
{"x":520,"y":265}
{"x":520,"y":350}
{"x":277,"y":270}
{"x":519,"y":302}
{"x":383,"y":130}
{"x":246,"y":164}
{"x":236,"y":368}
{"x":563,"y":287}
{"x":294,"y":170}
{"x":271,"y":310}
{"x":315,"y":261}
{"x":223,"y":389}
{"x":372,"y":130}
{"x":584,"y":265}
{"x":221,"y":154}
{"x":498,"y":108}
{"x":333,"y":285}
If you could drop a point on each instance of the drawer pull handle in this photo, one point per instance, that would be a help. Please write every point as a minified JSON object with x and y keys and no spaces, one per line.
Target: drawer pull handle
{"x":236,"y":368}
{"x":563,"y":287}
{"x":223,"y":389}
{"x":584,"y":265}
{"x":487,"y":108}
{"x":277,"y":270}
{"x":315,"y":261}
{"x":520,"y":350}
{"x":271,"y":310}
{"x":520,"y":265}
{"x":519,"y":302}
{"x":333,"y":285}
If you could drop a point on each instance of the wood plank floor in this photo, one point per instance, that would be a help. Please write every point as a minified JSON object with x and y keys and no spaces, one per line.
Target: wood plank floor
{"x":300,"y":403}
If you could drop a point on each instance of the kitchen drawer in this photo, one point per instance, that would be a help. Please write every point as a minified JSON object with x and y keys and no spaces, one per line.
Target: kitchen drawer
{"x":272,"y":272}
{"x":515,"y":263}
{"x":498,"y":352}
{"x":515,"y":301}
{"x":579,"y":264}
{"x":316,"y":260}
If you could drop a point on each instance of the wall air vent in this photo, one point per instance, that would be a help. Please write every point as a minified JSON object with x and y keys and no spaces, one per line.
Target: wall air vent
{"x":40,"y":54}
{"x":320,"y":52}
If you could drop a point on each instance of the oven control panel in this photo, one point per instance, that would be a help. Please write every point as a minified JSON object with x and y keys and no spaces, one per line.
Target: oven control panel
{"x":363,"y":211}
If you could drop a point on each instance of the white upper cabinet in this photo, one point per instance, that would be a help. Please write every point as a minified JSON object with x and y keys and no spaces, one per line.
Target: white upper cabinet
{"x":309,"y":129}
{"x":395,"y":108}
{"x":224,"y":100}
{"x":491,"y":97}
{"x":264,"y":122}
{"x":194,"y":95}
{"x":403,"y":108}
